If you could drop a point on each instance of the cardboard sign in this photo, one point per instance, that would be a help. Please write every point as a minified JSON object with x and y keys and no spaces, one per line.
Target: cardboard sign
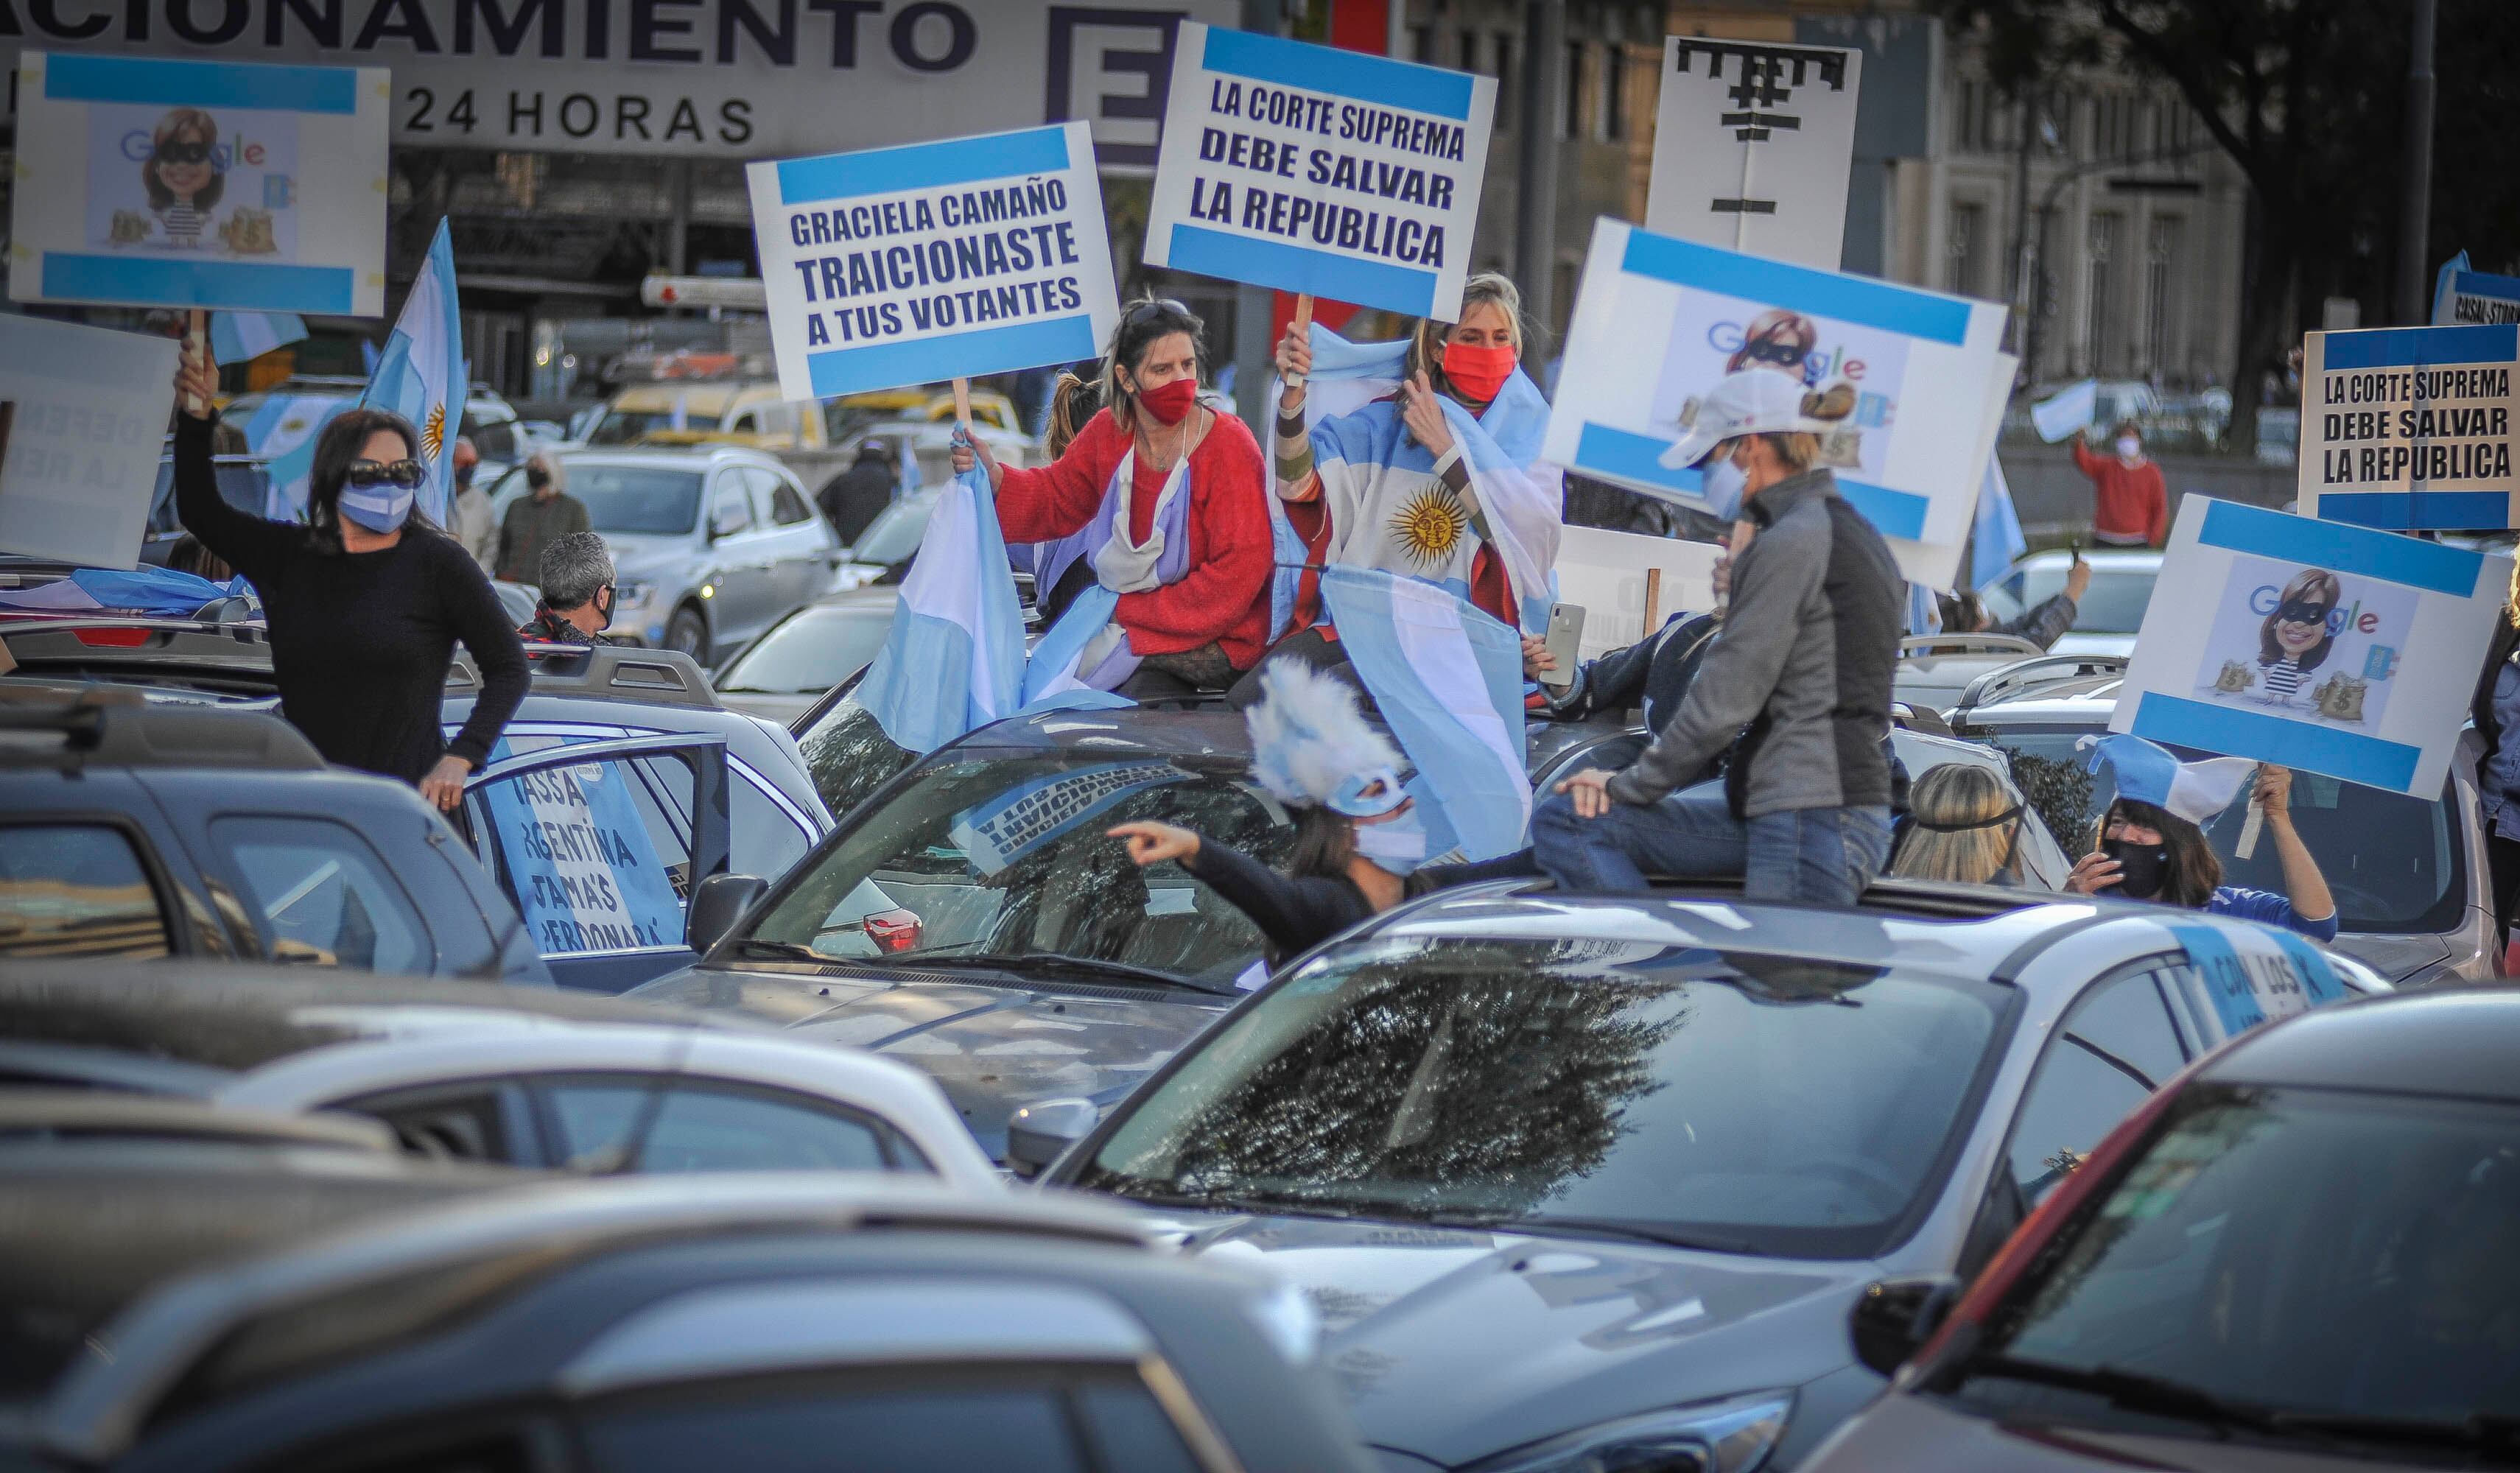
{"x":192,"y":184}
{"x":587,"y":875}
{"x":1915,"y":377}
{"x":2408,"y":428}
{"x":1752,"y":146}
{"x":87,"y":424}
{"x":938,"y":260}
{"x":2243,"y":976}
{"x":1003,"y":829}
{"x":2462,"y":297}
{"x":1606,"y":573}
{"x":1312,"y":169}
{"x":2324,"y":647}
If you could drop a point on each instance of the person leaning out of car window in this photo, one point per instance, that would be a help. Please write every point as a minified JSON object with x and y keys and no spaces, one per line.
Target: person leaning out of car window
{"x":2043,"y":625}
{"x":1962,"y":827}
{"x":2497,"y":710}
{"x":537,"y":521}
{"x":2150,"y":847}
{"x":578,"y":596}
{"x":366,"y":602}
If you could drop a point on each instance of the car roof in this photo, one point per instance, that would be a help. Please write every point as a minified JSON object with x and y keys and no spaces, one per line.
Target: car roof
{"x":601,"y":672}
{"x":233,"y":1015}
{"x":693,"y":457}
{"x":70,"y":1115}
{"x":2451,"y":1041}
{"x":68,"y":727}
{"x":2102,"y":560}
{"x":2071,"y":700}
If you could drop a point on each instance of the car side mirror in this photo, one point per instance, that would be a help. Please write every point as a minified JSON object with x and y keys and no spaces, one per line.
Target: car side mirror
{"x":1894,"y":1318}
{"x":1041,"y":1131}
{"x":717,"y":906}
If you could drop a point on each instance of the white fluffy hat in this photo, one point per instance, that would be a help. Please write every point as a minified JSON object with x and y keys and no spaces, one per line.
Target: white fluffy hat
{"x":1311,"y":743}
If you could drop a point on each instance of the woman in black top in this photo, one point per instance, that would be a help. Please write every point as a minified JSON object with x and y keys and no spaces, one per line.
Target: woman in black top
{"x":365,"y":602}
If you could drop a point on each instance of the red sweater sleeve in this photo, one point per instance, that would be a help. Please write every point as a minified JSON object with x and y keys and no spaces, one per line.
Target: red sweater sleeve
{"x":2084,"y":460}
{"x":1048,"y":501}
{"x":1230,"y":548}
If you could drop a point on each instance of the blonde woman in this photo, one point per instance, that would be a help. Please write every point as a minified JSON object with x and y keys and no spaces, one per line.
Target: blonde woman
{"x":1963,"y":826}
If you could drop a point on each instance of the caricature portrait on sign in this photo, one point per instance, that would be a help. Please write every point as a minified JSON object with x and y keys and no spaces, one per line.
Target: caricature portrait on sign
{"x":1855,"y":371}
{"x":2306,"y":643}
{"x":187,"y":181}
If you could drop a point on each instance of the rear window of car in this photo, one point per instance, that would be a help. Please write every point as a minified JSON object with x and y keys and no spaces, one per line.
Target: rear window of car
{"x":810,"y":653}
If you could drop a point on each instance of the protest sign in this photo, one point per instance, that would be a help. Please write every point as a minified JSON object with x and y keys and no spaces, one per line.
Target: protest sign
{"x":586,"y":872}
{"x":1003,"y":829}
{"x":193,"y":184}
{"x":2408,"y":428}
{"x":2462,"y":297}
{"x":932,"y":261}
{"x":2330,"y":649}
{"x":1752,"y":145}
{"x":1312,"y":169}
{"x":1911,"y":380}
{"x":87,"y":425}
{"x":1606,"y":573}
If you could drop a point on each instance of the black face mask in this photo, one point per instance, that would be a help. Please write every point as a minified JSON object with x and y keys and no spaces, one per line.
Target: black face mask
{"x":2142,"y":869}
{"x":536,"y":478}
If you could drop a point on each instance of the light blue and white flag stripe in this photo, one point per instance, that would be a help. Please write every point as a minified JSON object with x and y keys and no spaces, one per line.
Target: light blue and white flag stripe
{"x":1448,"y":679}
{"x":1997,"y":538}
{"x":420,"y":375}
{"x":955,"y":658}
{"x":284,"y":430}
{"x":242,"y":336}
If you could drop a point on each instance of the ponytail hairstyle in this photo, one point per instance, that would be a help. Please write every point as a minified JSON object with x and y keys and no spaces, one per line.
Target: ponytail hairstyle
{"x":1426,"y":341}
{"x":1142,"y":323}
{"x":1071,"y":406}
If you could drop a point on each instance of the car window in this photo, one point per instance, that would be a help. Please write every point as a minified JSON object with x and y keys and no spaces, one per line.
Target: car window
{"x":597,"y":855}
{"x":787,"y":506}
{"x":931,"y":1422}
{"x":810,"y":653}
{"x":321,"y":895}
{"x":495,"y":441}
{"x":2116,"y":1047}
{"x":475,"y":1120}
{"x":730,"y":507}
{"x":696,"y":1127}
{"x":76,"y":890}
{"x":849,"y":755}
{"x":764,"y":838}
{"x":895,"y":533}
{"x":2114,"y":603}
{"x":634,"y":498}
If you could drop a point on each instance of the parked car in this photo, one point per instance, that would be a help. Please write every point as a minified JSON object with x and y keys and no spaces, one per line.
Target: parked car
{"x":2296,"y":1257}
{"x":140,"y":830}
{"x":2110,"y":612}
{"x":697,"y":412}
{"x":776,"y":1322}
{"x":2413,"y":892}
{"x":244,"y":483}
{"x":1657,"y":1147}
{"x":779,"y":676}
{"x":489,"y":420}
{"x":883,"y":550}
{"x":84,"y":1117}
{"x":711,"y":546}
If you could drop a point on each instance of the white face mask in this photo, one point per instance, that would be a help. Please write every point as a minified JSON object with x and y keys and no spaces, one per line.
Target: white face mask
{"x":2129,"y":447}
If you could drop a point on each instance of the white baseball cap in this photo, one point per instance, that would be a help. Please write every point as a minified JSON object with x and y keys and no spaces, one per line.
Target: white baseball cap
{"x":1751,"y":401}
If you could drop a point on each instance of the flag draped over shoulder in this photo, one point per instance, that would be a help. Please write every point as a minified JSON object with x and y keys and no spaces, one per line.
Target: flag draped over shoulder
{"x":420,"y":375}
{"x":1997,"y":538}
{"x":1448,"y":679}
{"x":1382,"y":503}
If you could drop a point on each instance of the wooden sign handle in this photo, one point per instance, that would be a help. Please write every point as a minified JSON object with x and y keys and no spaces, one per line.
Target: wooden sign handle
{"x":963,"y":404}
{"x":1654,"y":603}
{"x":1303,"y":323}
{"x":197,"y":345}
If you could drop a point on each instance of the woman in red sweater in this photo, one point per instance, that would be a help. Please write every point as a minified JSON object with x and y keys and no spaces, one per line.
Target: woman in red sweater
{"x":2131,"y":504}
{"x":1155,"y":517}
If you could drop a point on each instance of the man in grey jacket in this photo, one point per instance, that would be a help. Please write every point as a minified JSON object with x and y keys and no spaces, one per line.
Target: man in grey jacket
{"x":1804,"y":660}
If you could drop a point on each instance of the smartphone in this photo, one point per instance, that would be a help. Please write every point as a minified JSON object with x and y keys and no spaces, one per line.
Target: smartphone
{"x":1566,"y":635}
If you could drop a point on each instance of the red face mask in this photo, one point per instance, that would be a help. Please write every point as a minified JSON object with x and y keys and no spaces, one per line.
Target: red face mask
{"x":1168,"y":402}
{"x":1477,"y":372}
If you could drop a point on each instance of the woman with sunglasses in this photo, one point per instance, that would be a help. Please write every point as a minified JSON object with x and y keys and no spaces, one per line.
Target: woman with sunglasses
{"x":366,"y":601}
{"x":1155,"y":530}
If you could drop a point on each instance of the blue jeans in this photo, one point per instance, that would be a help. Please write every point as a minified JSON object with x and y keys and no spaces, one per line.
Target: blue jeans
{"x":1822,"y":856}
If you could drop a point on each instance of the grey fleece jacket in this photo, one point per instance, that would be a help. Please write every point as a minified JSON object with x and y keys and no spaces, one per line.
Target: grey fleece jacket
{"x":1804,"y":659}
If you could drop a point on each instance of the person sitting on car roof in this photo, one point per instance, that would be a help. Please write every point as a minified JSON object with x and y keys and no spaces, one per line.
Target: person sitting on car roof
{"x":1963,"y":825}
{"x":2150,"y":847}
{"x":1158,"y":516}
{"x":578,"y":596}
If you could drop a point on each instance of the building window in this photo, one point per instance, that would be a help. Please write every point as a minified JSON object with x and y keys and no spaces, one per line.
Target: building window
{"x":1466,"y":50}
{"x":1574,"y":126}
{"x":1965,"y":134}
{"x":2099,"y":303}
{"x":1614,"y":93}
{"x":1961,"y":252}
{"x":1508,"y":82}
{"x":1422,"y":44}
{"x":2161,"y":280}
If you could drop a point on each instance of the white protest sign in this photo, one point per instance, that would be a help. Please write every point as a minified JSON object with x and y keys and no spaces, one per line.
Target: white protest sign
{"x":2463,"y":297}
{"x":2330,"y":649}
{"x":1916,"y":379}
{"x":1606,"y":573}
{"x":2410,"y":427}
{"x":934,"y":261}
{"x":87,"y":422}
{"x":192,"y":184}
{"x":1312,"y":169}
{"x":1752,"y":146}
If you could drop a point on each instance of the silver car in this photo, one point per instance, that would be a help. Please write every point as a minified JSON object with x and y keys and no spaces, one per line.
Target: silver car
{"x":711,"y":545}
{"x":2110,"y":612}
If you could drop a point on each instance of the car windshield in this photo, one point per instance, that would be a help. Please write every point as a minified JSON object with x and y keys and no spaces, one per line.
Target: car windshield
{"x":636,"y":498}
{"x":2113,"y":605}
{"x":2319,"y":1253}
{"x":627,"y":427}
{"x":893,"y":536}
{"x":1004,"y":857}
{"x":810,"y":653}
{"x":2392,"y":861}
{"x":1765,"y":1103}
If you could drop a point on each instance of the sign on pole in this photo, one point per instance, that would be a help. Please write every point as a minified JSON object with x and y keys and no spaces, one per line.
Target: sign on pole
{"x":1606,"y":573}
{"x":934,"y":261}
{"x":87,"y":425}
{"x":2463,"y":296}
{"x":2330,"y":648}
{"x":1911,"y":380}
{"x":1311,"y":169}
{"x":196,"y":183}
{"x":1752,"y":145}
{"x":2411,"y":427}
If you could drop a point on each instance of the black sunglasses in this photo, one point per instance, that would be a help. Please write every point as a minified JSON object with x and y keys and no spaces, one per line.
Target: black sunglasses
{"x":181,"y":152}
{"x":1157,"y":307}
{"x":2302,"y":611}
{"x":407,"y":474}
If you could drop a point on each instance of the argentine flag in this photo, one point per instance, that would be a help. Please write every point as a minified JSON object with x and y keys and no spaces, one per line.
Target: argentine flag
{"x":1448,"y":679}
{"x":420,"y":375}
{"x":955,"y":658}
{"x":1997,"y":538}
{"x":242,"y":336}
{"x":284,"y":430}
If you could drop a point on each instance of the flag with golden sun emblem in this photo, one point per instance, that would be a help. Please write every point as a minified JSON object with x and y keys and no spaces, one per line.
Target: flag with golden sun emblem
{"x":420,"y":375}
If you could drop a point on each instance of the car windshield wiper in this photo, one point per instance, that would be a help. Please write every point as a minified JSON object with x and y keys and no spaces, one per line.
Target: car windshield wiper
{"x":1091,"y":968}
{"x":2134,"y":1390}
{"x":2493,"y":1435}
{"x":784,"y":951}
{"x":1621,"y":1227}
{"x":1244,"y":1200}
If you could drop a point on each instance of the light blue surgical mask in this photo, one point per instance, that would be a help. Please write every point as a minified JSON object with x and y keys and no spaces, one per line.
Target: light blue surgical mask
{"x":380,"y":509}
{"x":1397,"y":844}
{"x":1723,"y":487}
